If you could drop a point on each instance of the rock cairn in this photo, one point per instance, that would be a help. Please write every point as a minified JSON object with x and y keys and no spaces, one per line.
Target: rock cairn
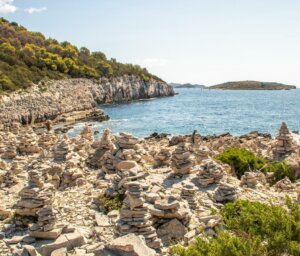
{"x":225,"y":193}
{"x":210,"y":172}
{"x":35,"y":195}
{"x":252,"y":179}
{"x":46,"y":219}
{"x":28,"y":144}
{"x":182,"y":161}
{"x":188,"y":193}
{"x":126,"y":171}
{"x":47,"y":140}
{"x":10,"y":150}
{"x":169,"y":208}
{"x":127,"y":141}
{"x":61,"y":150}
{"x":7,"y":179}
{"x":163,"y":158}
{"x":284,"y":145}
{"x":284,"y":185}
{"x":87,"y":133}
{"x":135,"y":217}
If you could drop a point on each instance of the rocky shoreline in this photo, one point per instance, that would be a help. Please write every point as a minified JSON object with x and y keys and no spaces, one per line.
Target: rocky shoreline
{"x":75,"y":99}
{"x":121,"y":195}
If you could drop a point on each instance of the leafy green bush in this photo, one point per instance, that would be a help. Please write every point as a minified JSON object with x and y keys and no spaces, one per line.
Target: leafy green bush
{"x":111,"y":203}
{"x":272,"y":224}
{"x":241,"y":160}
{"x":281,"y":170}
{"x":28,"y":57}
{"x":224,"y":244}
{"x":253,"y":229}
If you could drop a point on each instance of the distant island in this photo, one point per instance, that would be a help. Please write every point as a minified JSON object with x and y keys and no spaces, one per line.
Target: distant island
{"x":252,"y":85}
{"x":187,"y":85}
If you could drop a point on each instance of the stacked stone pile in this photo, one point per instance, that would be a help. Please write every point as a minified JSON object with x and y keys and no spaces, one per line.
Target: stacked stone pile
{"x":46,"y":220}
{"x":131,"y":154}
{"x":15,"y":128}
{"x":7,"y":179}
{"x":175,"y":140}
{"x":201,"y":153}
{"x":188,"y":193}
{"x":47,"y":140}
{"x":87,"y":133}
{"x":10,"y":151}
{"x":225,"y":193}
{"x":163,"y":158}
{"x":182,"y":160}
{"x":284,"y":145}
{"x":252,"y":179}
{"x":2,"y":145}
{"x":61,"y":150}
{"x":135,"y":217}
{"x":169,"y":208}
{"x":284,"y":185}
{"x":210,"y":172}
{"x":28,"y":144}
{"x":127,"y":141}
{"x":106,"y":141}
{"x":35,"y":195}
{"x":126,"y":171}
{"x":104,"y":156}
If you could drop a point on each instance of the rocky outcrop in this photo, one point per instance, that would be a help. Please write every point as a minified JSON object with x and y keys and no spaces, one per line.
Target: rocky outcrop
{"x":75,"y":99}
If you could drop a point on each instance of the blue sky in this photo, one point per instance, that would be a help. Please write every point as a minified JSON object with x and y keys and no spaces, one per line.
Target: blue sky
{"x":195,"y":41}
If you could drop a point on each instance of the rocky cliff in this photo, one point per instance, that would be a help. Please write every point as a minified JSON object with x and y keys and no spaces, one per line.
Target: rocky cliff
{"x":75,"y":98}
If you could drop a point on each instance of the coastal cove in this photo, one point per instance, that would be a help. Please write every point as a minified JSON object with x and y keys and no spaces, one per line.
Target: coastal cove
{"x":207,"y":111}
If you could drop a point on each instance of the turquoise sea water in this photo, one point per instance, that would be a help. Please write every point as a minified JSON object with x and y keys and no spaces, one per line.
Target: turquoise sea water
{"x":207,"y":111}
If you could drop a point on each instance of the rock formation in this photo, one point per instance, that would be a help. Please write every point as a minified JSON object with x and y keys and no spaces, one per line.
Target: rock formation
{"x":135,"y":217}
{"x":182,"y":161}
{"x":225,"y":193}
{"x":210,"y":172}
{"x":75,"y":99}
{"x":284,"y":145}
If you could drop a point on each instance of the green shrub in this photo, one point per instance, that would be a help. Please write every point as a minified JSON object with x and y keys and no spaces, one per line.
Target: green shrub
{"x":28,"y":57}
{"x":281,"y":170}
{"x":241,"y":160}
{"x":270,"y":223}
{"x":224,"y":244}
{"x":253,"y":229}
{"x":111,"y":203}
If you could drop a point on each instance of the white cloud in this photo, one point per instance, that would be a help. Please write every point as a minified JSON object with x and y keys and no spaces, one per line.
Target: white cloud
{"x":33,"y":10}
{"x":6,"y":6}
{"x":154,"y":62}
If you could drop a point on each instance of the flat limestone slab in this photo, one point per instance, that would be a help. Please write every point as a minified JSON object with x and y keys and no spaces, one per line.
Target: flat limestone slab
{"x":51,"y":235}
{"x":68,"y":241}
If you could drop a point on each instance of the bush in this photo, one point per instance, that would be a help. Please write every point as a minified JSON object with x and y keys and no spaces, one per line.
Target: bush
{"x":253,"y":229}
{"x":241,"y":160}
{"x":111,"y":203}
{"x":281,"y":170}
{"x":224,"y":244}
{"x":40,"y":58}
{"x":272,"y":224}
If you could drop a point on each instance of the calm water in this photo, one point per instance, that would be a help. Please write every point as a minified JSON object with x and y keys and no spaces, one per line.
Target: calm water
{"x":207,"y":111}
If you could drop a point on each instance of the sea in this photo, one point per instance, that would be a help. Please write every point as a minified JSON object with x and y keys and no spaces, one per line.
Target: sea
{"x":207,"y":111}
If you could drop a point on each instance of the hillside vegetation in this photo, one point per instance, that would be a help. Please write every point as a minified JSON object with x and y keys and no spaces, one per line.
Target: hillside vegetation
{"x":252,"y":85}
{"x":28,"y":57}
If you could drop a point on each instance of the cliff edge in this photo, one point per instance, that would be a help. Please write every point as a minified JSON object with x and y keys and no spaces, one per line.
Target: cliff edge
{"x":75,"y":99}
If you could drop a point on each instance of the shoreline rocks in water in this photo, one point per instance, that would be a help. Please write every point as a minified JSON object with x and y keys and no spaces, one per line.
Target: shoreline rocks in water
{"x":118,"y":194}
{"x":75,"y":99}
